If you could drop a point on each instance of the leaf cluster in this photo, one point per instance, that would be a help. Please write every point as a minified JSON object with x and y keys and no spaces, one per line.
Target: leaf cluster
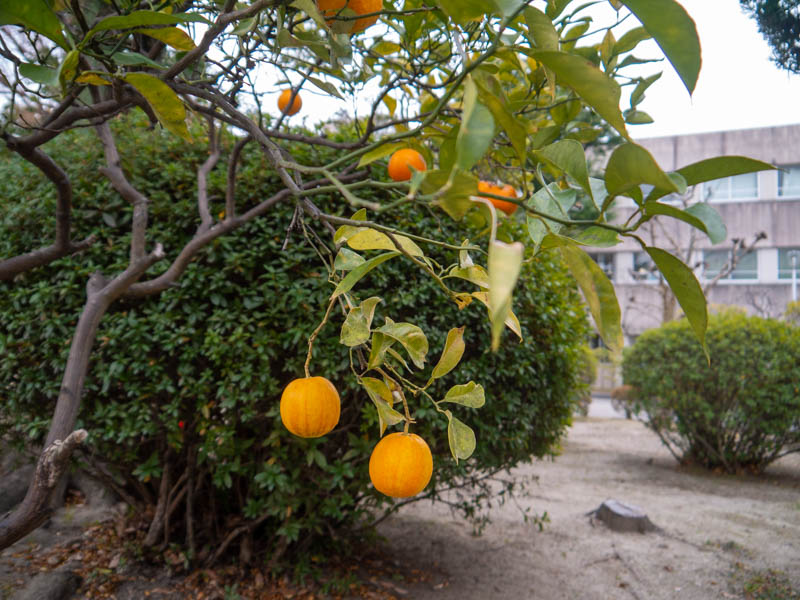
{"x":189,"y":381}
{"x":741,"y":410}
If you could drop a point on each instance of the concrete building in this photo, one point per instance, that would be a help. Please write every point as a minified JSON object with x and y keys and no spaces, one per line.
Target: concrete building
{"x":767,"y":202}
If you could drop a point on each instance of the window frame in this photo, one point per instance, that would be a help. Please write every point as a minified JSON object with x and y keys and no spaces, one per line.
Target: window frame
{"x":729,"y":278}
{"x":609,"y":258}
{"x":788,"y":277}
{"x":781,"y":169}
{"x":652,"y":276}
{"x":729,"y":198}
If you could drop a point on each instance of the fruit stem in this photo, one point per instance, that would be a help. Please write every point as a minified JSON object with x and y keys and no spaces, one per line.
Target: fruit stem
{"x":315,"y":334}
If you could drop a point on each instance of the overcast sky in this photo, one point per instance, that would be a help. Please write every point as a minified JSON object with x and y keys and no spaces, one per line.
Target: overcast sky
{"x":739,"y":87}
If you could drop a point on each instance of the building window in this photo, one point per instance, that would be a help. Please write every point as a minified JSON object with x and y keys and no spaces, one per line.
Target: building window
{"x":737,"y":187}
{"x":644,"y":269}
{"x":785,"y":262}
{"x":716,"y":260}
{"x":606,"y":262}
{"x":789,"y":182}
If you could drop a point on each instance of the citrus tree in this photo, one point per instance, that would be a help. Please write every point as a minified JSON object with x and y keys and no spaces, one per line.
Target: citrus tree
{"x":484,"y":110}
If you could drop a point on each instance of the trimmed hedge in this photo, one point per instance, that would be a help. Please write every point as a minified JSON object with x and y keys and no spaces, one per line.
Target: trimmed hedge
{"x":742,"y":411}
{"x":190,"y":379}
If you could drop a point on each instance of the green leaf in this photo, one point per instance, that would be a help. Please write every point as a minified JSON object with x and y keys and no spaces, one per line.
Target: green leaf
{"x":381,"y":397}
{"x":675,"y":32}
{"x":143,"y":18}
{"x":310,"y":8}
{"x":541,"y":33}
{"x":638,"y":92}
{"x":371,"y":239}
{"x":452,"y":353}
{"x":700,"y":216}
{"x":687,"y":291}
{"x":326,"y":86}
{"x":714,"y":226}
{"x":380,"y":344}
{"x":476,"y":131}
{"x":40,"y":74}
{"x":630,"y":39}
{"x":35,"y":15}
{"x":568,"y":156}
{"x":171,"y":36}
{"x":492,"y":96}
{"x":354,"y":276}
{"x":68,"y":69}
{"x":714,"y":168}
{"x":630,"y":166}
{"x":345,"y":231}
{"x":453,"y":191}
{"x":596,"y":236}
{"x":347,"y":260}
{"x":470,"y":394}
{"x":460,"y":437}
{"x":505,"y":263}
{"x":475,"y":273}
{"x":165,"y":103}
{"x":598,"y":292}
{"x":462,"y":11}
{"x":545,"y":201}
{"x":637,"y":117}
{"x":128,"y":58}
{"x":411,"y":337}
{"x":598,"y":90}
{"x":356,"y":326}
{"x":511,"y":321}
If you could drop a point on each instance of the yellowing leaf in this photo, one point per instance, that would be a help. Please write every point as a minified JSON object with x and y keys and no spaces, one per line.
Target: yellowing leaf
{"x":505,"y":262}
{"x":371,"y":239}
{"x":171,"y":36}
{"x":165,"y":103}
{"x":452,"y":353}
{"x":91,"y":79}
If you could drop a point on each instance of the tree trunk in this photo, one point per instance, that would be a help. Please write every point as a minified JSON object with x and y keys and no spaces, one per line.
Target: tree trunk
{"x":34,"y":510}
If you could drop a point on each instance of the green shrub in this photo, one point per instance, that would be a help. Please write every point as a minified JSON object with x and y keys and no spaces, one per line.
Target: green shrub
{"x":187,"y":383}
{"x":587,"y":365}
{"x":742,"y":411}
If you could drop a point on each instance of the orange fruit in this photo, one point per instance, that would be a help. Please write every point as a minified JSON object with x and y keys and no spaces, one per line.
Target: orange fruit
{"x":310,"y":407}
{"x":508,"y":191}
{"x":329,"y":9}
{"x":400,"y":162}
{"x":401,"y":465}
{"x":283,"y":103}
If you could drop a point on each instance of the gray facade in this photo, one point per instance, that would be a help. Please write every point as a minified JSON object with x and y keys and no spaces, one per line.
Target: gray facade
{"x":767,"y":202}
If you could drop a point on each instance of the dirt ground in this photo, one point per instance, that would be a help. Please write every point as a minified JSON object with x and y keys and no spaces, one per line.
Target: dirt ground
{"x":721,"y":536}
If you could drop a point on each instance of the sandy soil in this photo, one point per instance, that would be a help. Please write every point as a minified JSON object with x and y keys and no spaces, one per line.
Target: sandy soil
{"x":719,"y":533}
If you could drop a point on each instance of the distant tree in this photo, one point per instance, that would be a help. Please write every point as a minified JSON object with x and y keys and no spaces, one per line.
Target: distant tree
{"x":779,"y":23}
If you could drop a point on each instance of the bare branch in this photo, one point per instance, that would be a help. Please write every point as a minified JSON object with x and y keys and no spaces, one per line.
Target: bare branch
{"x":62,"y":246}
{"x":113,"y":171}
{"x":202,"y":177}
{"x":230,"y":189}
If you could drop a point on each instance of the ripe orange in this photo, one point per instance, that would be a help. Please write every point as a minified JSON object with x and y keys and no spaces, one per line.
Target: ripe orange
{"x":329,"y":8}
{"x":283,"y":103}
{"x":401,"y":465}
{"x":310,"y":407}
{"x":400,"y":162}
{"x":508,"y":191}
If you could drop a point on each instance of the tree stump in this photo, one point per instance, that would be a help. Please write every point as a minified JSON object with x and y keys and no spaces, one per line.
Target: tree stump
{"x":621,"y":516}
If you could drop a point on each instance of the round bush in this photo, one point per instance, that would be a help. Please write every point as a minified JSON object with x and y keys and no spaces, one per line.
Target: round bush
{"x":186,"y":384}
{"x":741,"y":411}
